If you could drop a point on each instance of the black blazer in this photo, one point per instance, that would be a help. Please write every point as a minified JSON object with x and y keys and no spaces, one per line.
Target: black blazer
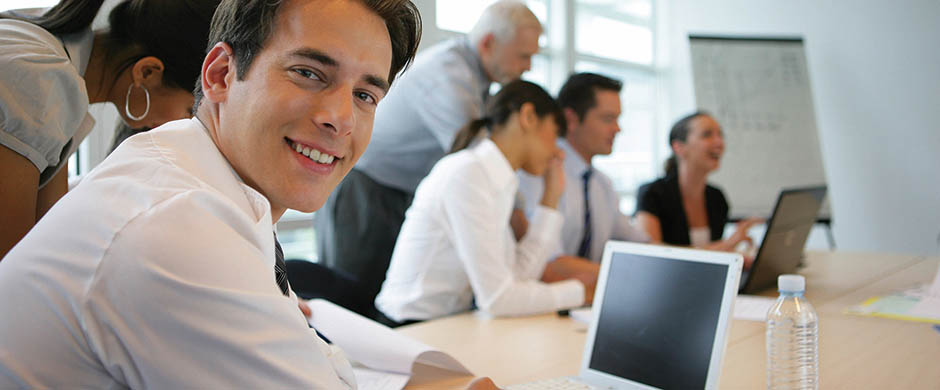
{"x":662,"y":199}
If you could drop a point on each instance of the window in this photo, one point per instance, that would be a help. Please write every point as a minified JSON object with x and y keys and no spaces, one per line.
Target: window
{"x":600,"y":34}
{"x":296,"y":235}
{"x":615,"y":38}
{"x":460,"y":15}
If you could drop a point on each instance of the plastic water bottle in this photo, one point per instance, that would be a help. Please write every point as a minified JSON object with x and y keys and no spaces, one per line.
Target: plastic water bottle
{"x":792,"y":338}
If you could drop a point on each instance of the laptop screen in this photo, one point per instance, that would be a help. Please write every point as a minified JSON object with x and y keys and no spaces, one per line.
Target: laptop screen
{"x":658,"y":321}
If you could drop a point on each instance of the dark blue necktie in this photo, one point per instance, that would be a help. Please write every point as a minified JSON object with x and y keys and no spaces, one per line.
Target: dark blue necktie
{"x":585,"y":248}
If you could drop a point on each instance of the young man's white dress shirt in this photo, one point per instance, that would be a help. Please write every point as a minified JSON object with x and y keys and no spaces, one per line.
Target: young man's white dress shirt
{"x":157,"y":271}
{"x":456,"y":247}
{"x":607,"y":222}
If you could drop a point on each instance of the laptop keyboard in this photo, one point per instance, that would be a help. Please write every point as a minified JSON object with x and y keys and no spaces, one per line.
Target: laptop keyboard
{"x":552,"y":384}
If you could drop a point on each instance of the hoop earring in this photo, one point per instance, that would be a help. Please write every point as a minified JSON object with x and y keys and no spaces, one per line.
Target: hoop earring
{"x":127,"y":104}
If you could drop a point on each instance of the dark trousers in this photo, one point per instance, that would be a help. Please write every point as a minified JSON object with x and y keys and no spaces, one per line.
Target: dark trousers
{"x":356,"y":231}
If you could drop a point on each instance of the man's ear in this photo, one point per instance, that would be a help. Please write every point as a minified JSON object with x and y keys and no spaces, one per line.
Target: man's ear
{"x":147,"y":72}
{"x":485,"y":46}
{"x":571,"y":118}
{"x":218,"y":72}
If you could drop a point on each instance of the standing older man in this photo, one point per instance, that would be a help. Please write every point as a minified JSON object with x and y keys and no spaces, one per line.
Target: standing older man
{"x":167,"y":275}
{"x":414,"y":126}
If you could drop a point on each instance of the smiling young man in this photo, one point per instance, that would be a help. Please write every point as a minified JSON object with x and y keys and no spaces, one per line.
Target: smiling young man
{"x":166,"y":277}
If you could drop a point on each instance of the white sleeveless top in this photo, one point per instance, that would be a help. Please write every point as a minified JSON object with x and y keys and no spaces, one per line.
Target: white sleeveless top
{"x":700,"y":236}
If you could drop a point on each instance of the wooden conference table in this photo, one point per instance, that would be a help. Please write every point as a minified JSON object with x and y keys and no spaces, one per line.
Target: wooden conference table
{"x":855,"y":352}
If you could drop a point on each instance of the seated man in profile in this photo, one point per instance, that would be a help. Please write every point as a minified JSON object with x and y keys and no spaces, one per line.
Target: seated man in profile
{"x":169,"y":275}
{"x":591,"y":103}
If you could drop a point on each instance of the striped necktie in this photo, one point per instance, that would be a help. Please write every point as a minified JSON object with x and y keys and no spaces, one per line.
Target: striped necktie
{"x":280,"y":275}
{"x":280,"y":269}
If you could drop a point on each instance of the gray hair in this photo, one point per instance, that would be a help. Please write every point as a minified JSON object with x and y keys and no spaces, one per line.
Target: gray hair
{"x":502,"y":19}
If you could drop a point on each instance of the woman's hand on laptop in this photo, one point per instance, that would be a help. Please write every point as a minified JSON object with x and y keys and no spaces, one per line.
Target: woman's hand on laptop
{"x":740,"y":235}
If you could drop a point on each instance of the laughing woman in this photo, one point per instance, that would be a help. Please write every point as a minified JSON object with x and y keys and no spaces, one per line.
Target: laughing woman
{"x":456,"y":248}
{"x":682,"y":208}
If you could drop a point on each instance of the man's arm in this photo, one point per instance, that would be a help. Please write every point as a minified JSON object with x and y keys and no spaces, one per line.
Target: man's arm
{"x":626,"y":231}
{"x":186,"y":299}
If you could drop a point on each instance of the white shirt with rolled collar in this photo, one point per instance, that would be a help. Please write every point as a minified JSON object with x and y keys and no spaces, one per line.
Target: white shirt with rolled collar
{"x":157,"y":271}
{"x":607,"y":221}
{"x":456,"y":246}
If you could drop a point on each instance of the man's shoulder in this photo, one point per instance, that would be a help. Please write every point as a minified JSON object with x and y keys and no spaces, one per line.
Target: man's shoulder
{"x":175,"y":165}
{"x":605,"y":180}
{"x":153,"y":161}
{"x":444,"y":64}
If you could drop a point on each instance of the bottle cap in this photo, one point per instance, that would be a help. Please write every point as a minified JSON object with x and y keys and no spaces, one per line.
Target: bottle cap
{"x":791,"y":283}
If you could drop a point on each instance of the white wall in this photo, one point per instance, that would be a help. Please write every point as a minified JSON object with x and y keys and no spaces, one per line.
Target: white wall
{"x":875,"y":72}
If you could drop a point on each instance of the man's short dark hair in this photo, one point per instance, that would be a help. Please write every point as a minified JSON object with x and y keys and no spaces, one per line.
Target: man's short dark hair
{"x":246,"y":25}
{"x":579,"y":92}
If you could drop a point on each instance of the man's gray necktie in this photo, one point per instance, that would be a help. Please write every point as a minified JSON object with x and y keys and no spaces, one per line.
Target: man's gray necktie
{"x":280,"y":269}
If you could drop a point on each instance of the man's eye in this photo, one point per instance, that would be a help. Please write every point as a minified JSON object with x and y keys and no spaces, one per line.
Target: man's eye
{"x":366,"y":97}
{"x":306,"y":73}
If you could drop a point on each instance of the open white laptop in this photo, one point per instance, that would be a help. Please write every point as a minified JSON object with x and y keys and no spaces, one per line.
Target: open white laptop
{"x":661,"y":320}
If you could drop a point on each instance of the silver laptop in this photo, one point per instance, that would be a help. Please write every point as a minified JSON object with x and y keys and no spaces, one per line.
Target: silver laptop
{"x":661,"y":320}
{"x":781,"y":251}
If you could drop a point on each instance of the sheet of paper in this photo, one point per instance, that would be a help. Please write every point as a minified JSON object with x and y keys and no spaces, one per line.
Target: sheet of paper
{"x":913,"y":304}
{"x":752,"y":308}
{"x":929,"y":305}
{"x":928,"y":308}
{"x":935,"y":286}
{"x":367,"y":379}
{"x":583,"y":314}
{"x":375,"y":345}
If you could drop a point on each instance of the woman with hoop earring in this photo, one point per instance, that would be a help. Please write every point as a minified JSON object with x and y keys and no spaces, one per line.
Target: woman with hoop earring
{"x":53,"y":66}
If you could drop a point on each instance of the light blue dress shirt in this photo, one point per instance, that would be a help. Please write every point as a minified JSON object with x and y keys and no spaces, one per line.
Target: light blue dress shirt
{"x":607,"y":222}
{"x":416,"y":123}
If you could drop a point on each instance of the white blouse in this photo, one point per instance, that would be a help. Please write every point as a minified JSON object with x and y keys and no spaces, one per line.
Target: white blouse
{"x":456,"y":247}
{"x":700,"y":236}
